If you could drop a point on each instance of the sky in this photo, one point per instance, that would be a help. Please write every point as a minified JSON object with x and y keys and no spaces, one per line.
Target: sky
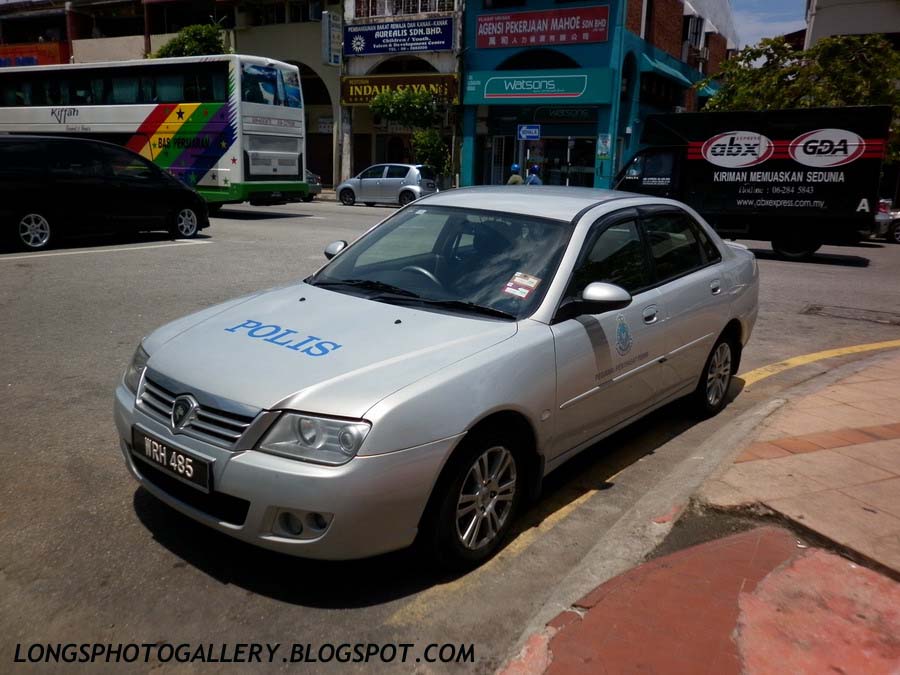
{"x":756,"y":19}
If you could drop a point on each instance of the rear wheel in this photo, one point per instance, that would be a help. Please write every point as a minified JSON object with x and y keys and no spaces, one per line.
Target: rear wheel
{"x":479,"y":496}
{"x":893,"y":234}
{"x":795,"y":247}
{"x":406,"y":198}
{"x":347,"y":197}
{"x":712,"y":389}
{"x":33,"y":232}
{"x":185,"y":223}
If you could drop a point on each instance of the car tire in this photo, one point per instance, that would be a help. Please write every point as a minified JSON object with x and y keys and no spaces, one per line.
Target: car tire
{"x":795,"y":248}
{"x":33,"y":231}
{"x":308,"y":198}
{"x":185,"y":223}
{"x":347,"y":197}
{"x":472,"y":516}
{"x":893,"y":234}
{"x":711,"y":394}
{"x":406,"y":197}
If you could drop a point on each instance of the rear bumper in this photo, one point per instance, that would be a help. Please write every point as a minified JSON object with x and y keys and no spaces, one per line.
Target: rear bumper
{"x":257,"y":193}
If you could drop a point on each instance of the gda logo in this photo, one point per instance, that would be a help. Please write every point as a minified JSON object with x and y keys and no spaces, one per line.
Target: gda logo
{"x":827,"y":147}
{"x":736,"y":149}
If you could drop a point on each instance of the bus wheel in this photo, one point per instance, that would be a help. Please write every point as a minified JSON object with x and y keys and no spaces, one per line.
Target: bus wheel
{"x":186,"y":223}
{"x":347,"y":197}
{"x":34,"y":233}
{"x":796,"y":247}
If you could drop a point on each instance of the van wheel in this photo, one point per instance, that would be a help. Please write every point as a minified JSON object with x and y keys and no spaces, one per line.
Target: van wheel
{"x":712,"y":389}
{"x":406,"y":198}
{"x":185,"y":223}
{"x":795,"y":247}
{"x":893,"y":235}
{"x":478,"y":500}
{"x":347,"y":197}
{"x":33,"y":232}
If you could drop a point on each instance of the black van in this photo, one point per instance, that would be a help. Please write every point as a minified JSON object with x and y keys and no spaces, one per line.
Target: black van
{"x":796,"y":178}
{"x":51,"y":187}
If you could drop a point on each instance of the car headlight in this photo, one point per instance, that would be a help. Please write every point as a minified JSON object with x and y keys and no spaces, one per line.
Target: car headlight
{"x":136,"y":369}
{"x":311,"y":438}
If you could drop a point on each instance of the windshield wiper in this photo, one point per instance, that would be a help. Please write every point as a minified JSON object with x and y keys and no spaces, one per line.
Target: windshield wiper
{"x":366,"y":284}
{"x":460,"y":304}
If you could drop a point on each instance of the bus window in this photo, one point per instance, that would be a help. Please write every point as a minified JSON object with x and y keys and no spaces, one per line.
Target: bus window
{"x":56,"y":91}
{"x":219,"y":87}
{"x":170,"y":88}
{"x":261,"y":84}
{"x":292,"y":88}
{"x":124,"y":90}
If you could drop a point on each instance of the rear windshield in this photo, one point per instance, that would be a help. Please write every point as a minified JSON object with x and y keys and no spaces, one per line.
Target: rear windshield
{"x":427,"y":172}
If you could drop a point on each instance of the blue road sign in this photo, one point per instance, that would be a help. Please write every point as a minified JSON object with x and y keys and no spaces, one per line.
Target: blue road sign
{"x":529,"y":132}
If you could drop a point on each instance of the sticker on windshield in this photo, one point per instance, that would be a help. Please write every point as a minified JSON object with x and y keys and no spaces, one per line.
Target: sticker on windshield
{"x":521,"y":285}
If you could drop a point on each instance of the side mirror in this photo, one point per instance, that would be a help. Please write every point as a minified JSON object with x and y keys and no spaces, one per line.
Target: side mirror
{"x":334,"y":248}
{"x":599,"y":297}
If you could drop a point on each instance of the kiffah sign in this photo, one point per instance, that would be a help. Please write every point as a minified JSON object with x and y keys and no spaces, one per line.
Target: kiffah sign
{"x":361,"y":90}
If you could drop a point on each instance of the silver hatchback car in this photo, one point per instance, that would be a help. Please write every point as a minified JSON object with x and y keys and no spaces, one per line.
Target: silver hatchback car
{"x":388,"y":184}
{"x":424,"y":381}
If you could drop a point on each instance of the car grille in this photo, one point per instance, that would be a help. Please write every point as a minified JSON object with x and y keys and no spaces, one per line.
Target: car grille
{"x":223,"y":507}
{"x":218,"y":427}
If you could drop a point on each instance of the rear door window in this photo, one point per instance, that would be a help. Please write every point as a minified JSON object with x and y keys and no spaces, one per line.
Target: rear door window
{"x":674,"y":244}
{"x":396,"y":171}
{"x":73,"y":160}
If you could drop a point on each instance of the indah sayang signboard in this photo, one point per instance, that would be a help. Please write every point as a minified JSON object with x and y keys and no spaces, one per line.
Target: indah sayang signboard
{"x":575,"y":25}
{"x":425,"y":35}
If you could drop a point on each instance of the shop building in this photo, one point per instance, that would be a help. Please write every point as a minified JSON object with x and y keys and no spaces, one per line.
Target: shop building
{"x":565,"y":85}
{"x":391,"y":45}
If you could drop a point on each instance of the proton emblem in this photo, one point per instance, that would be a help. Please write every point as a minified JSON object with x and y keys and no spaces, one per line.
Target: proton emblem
{"x":183,"y":412}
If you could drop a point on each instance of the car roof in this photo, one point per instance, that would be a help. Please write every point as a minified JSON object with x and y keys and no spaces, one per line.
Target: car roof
{"x":544,"y":201}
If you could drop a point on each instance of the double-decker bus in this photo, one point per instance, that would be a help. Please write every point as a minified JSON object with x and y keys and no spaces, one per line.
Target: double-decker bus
{"x":230,"y":126}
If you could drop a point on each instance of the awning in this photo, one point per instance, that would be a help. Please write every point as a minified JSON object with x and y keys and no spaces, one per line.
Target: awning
{"x":709,"y":90}
{"x":651,"y":65}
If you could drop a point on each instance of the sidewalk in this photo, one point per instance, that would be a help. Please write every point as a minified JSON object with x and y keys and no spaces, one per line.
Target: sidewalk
{"x":829,"y":461}
{"x":763,"y":601}
{"x":755,"y":602}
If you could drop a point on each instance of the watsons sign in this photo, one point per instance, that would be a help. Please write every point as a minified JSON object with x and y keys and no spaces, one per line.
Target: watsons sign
{"x":586,"y":85}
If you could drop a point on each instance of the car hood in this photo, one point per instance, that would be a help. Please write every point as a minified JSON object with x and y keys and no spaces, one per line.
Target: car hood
{"x":316,"y":350}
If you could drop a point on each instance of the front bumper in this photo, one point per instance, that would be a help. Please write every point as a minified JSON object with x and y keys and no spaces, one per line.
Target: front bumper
{"x":372,"y":504}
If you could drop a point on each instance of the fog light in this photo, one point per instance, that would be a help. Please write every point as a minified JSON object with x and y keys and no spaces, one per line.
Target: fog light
{"x":317,"y":521}
{"x":290,"y":523}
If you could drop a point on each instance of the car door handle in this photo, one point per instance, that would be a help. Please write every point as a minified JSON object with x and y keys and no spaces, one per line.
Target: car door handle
{"x":715,"y":286}
{"x":650,"y":314}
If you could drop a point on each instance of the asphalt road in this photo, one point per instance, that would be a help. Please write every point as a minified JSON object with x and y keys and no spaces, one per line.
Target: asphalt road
{"x":87,"y":556}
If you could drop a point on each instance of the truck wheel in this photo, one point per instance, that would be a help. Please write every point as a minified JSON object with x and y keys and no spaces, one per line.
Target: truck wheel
{"x":795,"y":248}
{"x":893,"y":234}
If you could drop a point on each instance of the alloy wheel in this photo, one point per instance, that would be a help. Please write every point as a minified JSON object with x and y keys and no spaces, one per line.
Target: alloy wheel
{"x":718,"y":375}
{"x":486,"y":498}
{"x":186,"y":223}
{"x":34,"y":230}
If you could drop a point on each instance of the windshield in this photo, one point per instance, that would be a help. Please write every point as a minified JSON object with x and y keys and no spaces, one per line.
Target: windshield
{"x":453,"y":259}
{"x":270,"y":86}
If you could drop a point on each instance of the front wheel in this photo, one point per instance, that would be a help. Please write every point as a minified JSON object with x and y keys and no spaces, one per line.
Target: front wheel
{"x":308,"y":198}
{"x":186,"y":224}
{"x":34,"y":232}
{"x":347,"y":197}
{"x":478,"y":502}
{"x":796,"y":248}
{"x":712,"y":390}
{"x":893,"y":234}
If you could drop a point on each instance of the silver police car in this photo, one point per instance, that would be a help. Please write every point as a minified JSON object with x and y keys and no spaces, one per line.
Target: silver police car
{"x":424,"y":381}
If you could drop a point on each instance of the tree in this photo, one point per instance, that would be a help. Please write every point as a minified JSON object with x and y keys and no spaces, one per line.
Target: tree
{"x":198,"y":40}
{"x":423,"y":112}
{"x":836,"y":71}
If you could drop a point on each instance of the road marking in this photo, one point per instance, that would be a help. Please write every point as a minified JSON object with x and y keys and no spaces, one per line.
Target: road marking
{"x":763,"y":372}
{"x":31,"y":256}
{"x":423,"y":604}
